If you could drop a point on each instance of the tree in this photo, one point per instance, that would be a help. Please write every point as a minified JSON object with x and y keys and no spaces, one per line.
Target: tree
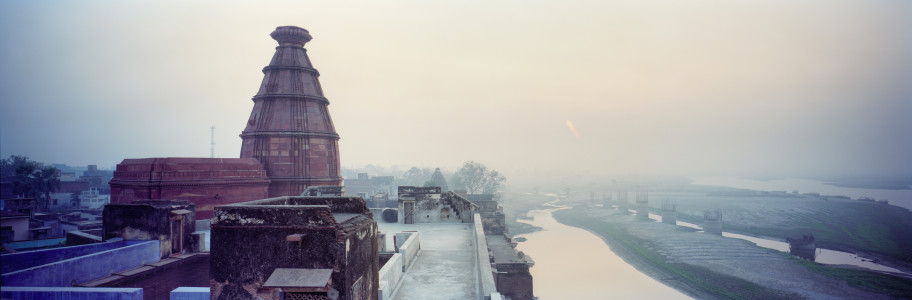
{"x":30,"y":178}
{"x":416,"y":176}
{"x":476,"y":178}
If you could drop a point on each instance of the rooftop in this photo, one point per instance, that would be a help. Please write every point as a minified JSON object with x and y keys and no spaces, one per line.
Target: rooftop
{"x":443,"y":269}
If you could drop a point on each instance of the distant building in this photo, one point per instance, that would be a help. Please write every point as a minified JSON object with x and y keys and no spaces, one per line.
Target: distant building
{"x":98,"y":178}
{"x":360,"y":187}
{"x":61,"y":201}
{"x":378,"y":191}
{"x":429,"y":205}
{"x":438,"y":180}
{"x":171,"y":223}
{"x":73,"y":186}
{"x":19,"y":205}
{"x":15,"y":226}
{"x":93,"y":199}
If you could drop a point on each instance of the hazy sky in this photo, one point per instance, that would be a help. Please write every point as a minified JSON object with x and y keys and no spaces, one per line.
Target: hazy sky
{"x":650,"y":87}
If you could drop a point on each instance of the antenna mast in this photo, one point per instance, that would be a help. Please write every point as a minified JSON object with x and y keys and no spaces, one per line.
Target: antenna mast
{"x":212,"y":143}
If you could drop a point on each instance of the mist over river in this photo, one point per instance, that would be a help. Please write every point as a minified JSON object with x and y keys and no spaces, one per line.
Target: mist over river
{"x":901,"y":198}
{"x":572,"y":263}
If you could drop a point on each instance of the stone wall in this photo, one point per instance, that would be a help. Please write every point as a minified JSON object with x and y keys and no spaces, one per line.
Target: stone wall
{"x":23,"y":260}
{"x":390,"y":275}
{"x":408,"y":243}
{"x":514,"y":280}
{"x":76,"y":237}
{"x":190,"y":293}
{"x":149,"y":220}
{"x":84,"y":268}
{"x":494,"y":223}
{"x":250,"y":240}
{"x":429,"y":205}
{"x":408,"y":246}
{"x":485,"y":284}
{"x":71,"y":293}
{"x":206,"y":182}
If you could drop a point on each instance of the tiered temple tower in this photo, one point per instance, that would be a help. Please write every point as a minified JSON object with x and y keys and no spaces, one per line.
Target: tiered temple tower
{"x":289,"y":130}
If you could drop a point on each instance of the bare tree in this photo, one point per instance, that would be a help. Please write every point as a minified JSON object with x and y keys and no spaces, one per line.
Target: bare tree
{"x":416,"y":176}
{"x":476,"y":178}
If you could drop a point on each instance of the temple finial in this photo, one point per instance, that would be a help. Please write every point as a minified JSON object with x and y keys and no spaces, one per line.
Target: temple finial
{"x":291,"y":36}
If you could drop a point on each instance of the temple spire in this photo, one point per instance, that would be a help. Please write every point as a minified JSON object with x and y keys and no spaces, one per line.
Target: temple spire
{"x":289,"y":130}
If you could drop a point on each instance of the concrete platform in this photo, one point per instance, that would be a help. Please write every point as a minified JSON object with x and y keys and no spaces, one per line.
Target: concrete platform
{"x":445,"y":267}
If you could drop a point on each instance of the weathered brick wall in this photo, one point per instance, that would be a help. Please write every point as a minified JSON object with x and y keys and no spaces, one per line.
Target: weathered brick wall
{"x":206,"y":182}
{"x":147,"y":220}
{"x":514,"y":280}
{"x":249,"y":242}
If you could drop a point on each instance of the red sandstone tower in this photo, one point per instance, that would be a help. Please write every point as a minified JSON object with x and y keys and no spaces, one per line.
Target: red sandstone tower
{"x":289,"y":130}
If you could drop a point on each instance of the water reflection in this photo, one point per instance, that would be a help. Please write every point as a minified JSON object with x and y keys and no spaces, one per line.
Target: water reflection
{"x":571,"y":263}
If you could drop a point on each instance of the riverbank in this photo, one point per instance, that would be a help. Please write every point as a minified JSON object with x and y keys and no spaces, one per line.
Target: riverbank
{"x":706,"y":266}
{"x":875,"y":230}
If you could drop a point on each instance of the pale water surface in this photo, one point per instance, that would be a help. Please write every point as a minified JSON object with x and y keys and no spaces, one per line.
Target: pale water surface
{"x":572,"y":263}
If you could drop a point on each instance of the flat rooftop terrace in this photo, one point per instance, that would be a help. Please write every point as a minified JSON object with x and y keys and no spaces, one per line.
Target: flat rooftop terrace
{"x":445,"y":267}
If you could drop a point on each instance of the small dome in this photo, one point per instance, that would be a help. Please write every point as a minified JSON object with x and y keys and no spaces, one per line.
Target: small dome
{"x":291,"y":36}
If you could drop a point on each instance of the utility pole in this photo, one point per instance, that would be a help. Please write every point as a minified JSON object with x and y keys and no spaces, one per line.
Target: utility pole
{"x":212,"y":143}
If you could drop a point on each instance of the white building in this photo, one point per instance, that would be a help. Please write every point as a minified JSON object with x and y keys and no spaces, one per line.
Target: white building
{"x":92,"y":199}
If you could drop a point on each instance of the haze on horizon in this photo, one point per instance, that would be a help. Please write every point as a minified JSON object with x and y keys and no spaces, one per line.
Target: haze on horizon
{"x":760,"y":88}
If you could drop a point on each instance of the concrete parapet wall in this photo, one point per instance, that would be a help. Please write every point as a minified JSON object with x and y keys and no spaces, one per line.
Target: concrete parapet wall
{"x":80,"y":269}
{"x":202,"y":225}
{"x":198,"y":241}
{"x":390,"y":275}
{"x":23,"y":260}
{"x":190,"y":293}
{"x":71,"y":293}
{"x":378,"y":214}
{"x":408,"y":248}
{"x":485,"y":277}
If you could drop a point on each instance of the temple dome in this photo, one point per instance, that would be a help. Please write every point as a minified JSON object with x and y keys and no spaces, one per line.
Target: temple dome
{"x":291,"y":36}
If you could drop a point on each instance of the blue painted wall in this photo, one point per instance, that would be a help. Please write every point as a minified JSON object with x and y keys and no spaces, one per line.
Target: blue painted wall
{"x":23,"y":260}
{"x":190,"y":293}
{"x":70,"y":293}
{"x":81,"y":269}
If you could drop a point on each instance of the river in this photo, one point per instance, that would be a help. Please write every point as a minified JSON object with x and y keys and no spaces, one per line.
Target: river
{"x":572,"y":263}
{"x":901,"y":198}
